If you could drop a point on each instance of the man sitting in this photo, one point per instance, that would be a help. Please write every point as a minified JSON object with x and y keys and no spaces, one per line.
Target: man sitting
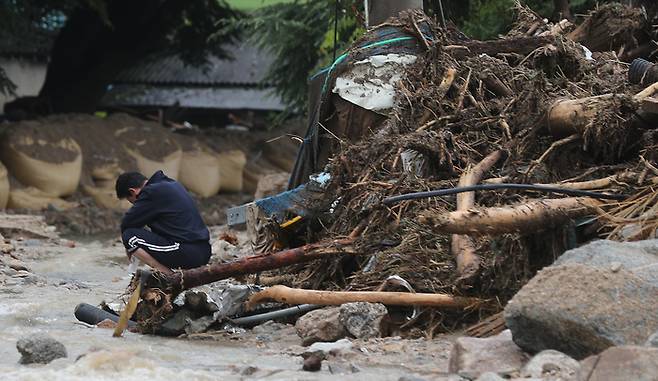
{"x":178,"y":237}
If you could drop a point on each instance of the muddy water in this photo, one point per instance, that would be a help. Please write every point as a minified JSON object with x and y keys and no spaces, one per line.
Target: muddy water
{"x":61,"y":277}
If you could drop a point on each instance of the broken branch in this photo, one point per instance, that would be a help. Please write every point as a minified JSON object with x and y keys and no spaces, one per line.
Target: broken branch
{"x":533,"y":216}
{"x":288,"y":295}
{"x":462,"y":246}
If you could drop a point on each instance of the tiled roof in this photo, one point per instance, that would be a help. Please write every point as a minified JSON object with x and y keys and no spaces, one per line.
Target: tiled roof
{"x":247,"y":68}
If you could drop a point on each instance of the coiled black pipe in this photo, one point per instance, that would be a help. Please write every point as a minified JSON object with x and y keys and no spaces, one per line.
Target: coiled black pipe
{"x":533,"y":187}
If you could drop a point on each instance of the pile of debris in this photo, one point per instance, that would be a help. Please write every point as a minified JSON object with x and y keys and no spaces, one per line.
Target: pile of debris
{"x":546,"y":109}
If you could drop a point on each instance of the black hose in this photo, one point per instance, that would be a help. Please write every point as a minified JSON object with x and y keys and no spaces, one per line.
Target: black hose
{"x":534,"y":187}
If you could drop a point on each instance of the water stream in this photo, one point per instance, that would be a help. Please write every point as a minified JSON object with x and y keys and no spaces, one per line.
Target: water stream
{"x":43,"y":301}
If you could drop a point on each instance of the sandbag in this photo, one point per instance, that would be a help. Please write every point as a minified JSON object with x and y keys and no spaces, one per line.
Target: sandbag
{"x":48,"y":174}
{"x":4,"y":187}
{"x":105,"y":198}
{"x":105,"y":176}
{"x":231,"y":166}
{"x":169,"y":164}
{"x":200,"y":172}
{"x":34,"y":199}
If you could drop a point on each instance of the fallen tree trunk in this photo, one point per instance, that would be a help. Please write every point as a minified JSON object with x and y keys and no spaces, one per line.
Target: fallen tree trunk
{"x":186,"y":279}
{"x":288,"y":295}
{"x":533,"y":216}
{"x":462,"y":246}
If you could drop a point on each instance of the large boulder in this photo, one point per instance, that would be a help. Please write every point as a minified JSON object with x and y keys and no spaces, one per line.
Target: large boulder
{"x":39,"y":349}
{"x":639,"y":258}
{"x":581,"y":310}
{"x":624,"y":363}
{"x":472,"y":357}
{"x":363,"y":320}
{"x":320,"y":325}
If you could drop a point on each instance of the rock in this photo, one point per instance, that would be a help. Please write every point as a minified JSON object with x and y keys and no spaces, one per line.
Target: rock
{"x":313,"y":363}
{"x":107,"y":323}
{"x":15,"y":264}
{"x":551,"y":365}
{"x":653,"y":340}
{"x":199,"y":325}
{"x":623,"y":363}
{"x":176,"y":324}
{"x":249,"y":371}
{"x":581,"y":311}
{"x":320,"y":325}
{"x":334,"y":349}
{"x":490,"y":376}
{"x":472,"y":356}
{"x":363,"y":320}
{"x":39,"y":349}
{"x":639,"y":258}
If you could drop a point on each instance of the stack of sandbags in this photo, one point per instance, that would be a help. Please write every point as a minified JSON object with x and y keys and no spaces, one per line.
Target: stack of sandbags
{"x":4,"y":186}
{"x":152,"y":147}
{"x":200,"y":168}
{"x":231,"y":168}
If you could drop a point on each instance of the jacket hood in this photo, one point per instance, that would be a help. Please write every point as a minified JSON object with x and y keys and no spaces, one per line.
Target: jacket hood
{"x":158,"y":177}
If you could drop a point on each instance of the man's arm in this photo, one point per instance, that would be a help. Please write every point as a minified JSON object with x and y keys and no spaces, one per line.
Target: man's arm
{"x":141,"y":213}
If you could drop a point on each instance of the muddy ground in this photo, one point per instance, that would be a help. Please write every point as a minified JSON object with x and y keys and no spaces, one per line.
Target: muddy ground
{"x":62,"y":272}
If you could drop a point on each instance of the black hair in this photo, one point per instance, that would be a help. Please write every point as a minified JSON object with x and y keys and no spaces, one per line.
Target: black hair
{"x":128,"y":180}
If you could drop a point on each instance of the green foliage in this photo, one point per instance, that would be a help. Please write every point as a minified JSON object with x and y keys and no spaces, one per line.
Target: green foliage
{"x":300,"y":36}
{"x":249,"y":5}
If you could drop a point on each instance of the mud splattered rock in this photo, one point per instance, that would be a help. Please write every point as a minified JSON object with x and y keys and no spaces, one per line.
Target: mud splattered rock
{"x":39,"y":349}
{"x":313,"y":362}
{"x":472,"y":356}
{"x":335,"y":349}
{"x":551,"y":365}
{"x":320,"y":325}
{"x":363,"y":320}
{"x":581,"y":311}
{"x":623,"y":363}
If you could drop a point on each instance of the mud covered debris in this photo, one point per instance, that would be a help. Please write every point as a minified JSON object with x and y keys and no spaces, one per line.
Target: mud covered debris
{"x":536,"y":107}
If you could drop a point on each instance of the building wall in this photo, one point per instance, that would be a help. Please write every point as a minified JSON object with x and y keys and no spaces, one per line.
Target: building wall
{"x":27,"y":75}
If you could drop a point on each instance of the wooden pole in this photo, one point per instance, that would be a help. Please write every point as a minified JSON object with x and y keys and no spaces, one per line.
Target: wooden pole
{"x":288,"y":295}
{"x":377,"y":11}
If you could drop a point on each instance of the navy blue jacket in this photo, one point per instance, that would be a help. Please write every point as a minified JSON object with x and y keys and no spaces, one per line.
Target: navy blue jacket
{"x":168,"y":210}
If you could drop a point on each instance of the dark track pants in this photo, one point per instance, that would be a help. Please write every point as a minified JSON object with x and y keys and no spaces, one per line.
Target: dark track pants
{"x":169,"y":253}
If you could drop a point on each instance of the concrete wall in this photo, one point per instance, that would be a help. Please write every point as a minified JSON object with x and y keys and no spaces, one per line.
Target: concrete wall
{"x":27,"y":75}
{"x":379,"y":10}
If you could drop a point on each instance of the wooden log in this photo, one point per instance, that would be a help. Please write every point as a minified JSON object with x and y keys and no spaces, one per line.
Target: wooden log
{"x":462,"y":246}
{"x":533,"y":216}
{"x":288,"y":295}
{"x":567,"y":117}
{"x":186,"y":279}
{"x":518,"y":45}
